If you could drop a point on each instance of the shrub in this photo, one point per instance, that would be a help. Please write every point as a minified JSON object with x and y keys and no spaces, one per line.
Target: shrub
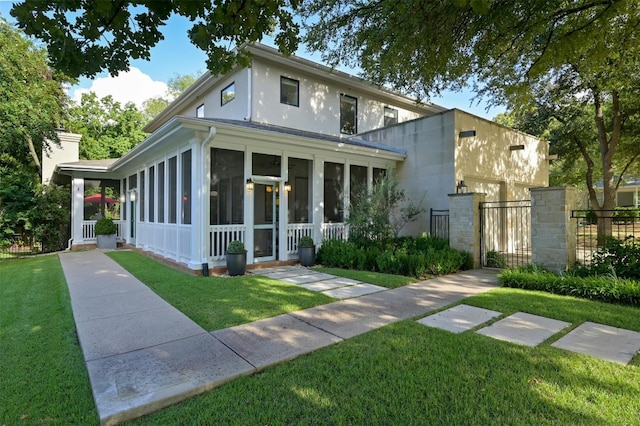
{"x":401,"y":256}
{"x":608,"y":289}
{"x":620,"y":257}
{"x":236,"y":246}
{"x":496,"y":259}
{"x":626,"y":215}
{"x":105,"y":226}
{"x":305,"y":241}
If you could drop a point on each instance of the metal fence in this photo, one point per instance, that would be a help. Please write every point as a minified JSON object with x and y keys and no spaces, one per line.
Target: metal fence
{"x":20,"y":245}
{"x":439,"y":223}
{"x":505,"y":237}
{"x":594,"y":230}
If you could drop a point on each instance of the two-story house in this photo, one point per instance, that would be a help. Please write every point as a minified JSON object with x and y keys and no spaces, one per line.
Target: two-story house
{"x":269,"y":153}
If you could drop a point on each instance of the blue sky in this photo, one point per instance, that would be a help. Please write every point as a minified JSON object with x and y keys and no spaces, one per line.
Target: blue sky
{"x":175,"y":55}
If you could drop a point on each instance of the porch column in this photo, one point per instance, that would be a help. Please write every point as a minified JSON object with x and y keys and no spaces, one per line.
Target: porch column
{"x":284,"y":208}
{"x":248,"y":207}
{"x":464,"y":223}
{"x":77,"y":211}
{"x":199,"y":192}
{"x":553,"y":233}
{"x":318,"y":199}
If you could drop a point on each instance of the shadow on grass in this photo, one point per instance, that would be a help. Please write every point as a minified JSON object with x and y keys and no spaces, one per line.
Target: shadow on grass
{"x":406,"y":373}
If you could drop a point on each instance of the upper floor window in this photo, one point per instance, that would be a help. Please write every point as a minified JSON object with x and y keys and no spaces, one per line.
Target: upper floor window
{"x":200,"y":111}
{"x":390,"y":116}
{"x":228,"y":94}
{"x":348,"y":114}
{"x":289,"y":91}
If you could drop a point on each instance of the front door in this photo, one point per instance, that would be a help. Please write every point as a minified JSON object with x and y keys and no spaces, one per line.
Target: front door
{"x":265,"y":219}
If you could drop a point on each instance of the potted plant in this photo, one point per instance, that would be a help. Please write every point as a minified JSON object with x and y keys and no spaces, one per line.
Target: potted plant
{"x":306,"y":251}
{"x":236,"y":258}
{"x":106,"y":231}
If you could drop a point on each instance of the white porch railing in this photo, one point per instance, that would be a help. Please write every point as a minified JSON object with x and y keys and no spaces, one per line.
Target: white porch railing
{"x":89,"y":230}
{"x":335,"y":231}
{"x":220,"y":236}
{"x":294,"y":232}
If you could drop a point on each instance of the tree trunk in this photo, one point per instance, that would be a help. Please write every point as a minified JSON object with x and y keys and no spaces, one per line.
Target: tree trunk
{"x":34,"y":155}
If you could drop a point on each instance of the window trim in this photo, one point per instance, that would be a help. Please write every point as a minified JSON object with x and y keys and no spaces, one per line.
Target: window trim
{"x":384,"y":115}
{"x":297,"y":84}
{"x":222,"y":101}
{"x":355,"y":115}
{"x":199,"y":110}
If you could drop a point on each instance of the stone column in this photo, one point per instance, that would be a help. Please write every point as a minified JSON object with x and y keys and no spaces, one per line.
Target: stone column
{"x":464,"y":223}
{"x":553,"y":232}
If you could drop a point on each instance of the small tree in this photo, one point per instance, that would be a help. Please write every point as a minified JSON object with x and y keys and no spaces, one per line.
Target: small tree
{"x":381,"y":214}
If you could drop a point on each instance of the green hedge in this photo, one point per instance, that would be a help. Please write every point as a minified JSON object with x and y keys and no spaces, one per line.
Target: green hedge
{"x":602,"y":288}
{"x":415,"y":257}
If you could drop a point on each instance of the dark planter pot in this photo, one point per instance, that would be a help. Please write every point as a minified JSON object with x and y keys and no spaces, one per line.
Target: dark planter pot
{"x":307,"y":255}
{"x":106,"y":241}
{"x":236,"y":263}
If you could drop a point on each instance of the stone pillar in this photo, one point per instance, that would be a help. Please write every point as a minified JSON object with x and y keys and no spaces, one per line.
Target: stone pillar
{"x":553,"y":232}
{"x":464,"y":223}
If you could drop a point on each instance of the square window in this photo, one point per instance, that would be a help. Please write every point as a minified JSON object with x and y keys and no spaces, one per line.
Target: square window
{"x":289,"y":91}
{"x":390,"y":116}
{"x":228,"y":94}
{"x":348,"y":114}
{"x":200,"y":111}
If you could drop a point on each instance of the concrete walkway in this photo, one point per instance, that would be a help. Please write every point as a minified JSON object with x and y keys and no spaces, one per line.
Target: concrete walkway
{"x":142,"y":354}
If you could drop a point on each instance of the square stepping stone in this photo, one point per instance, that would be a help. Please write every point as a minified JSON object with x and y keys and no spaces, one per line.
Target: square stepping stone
{"x":353,"y":291}
{"x":601,"y":341}
{"x":324,"y":285}
{"x":459,"y":318}
{"x":523,"y":328}
{"x":284,"y":274}
{"x":303,"y":279}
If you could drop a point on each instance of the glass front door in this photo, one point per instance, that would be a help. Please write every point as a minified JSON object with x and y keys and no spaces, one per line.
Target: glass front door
{"x":265,"y":219}
{"x":132,"y":218}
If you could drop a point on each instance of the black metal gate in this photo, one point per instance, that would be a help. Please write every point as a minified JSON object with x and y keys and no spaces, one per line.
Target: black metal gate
{"x":439,"y":223}
{"x":505,"y":233}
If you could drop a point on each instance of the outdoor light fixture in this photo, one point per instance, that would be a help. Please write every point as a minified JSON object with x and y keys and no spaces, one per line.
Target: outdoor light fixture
{"x":122,"y":198}
{"x":269,"y":188}
{"x":287,"y":186}
{"x":461,"y":188}
{"x":249,"y":185}
{"x":132,"y":196}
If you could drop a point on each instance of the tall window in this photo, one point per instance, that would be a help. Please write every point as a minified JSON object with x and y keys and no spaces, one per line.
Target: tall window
{"x":142,"y":199}
{"x":173,"y":189}
{"x":227,"y":187}
{"x":200,"y":111}
{"x":289,"y":91}
{"x":390,"y":116}
{"x":228,"y":94}
{"x":161,"y":192}
{"x":152,"y":193}
{"x":185,"y":160}
{"x":348,"y":114}
{"x":333,"y":192}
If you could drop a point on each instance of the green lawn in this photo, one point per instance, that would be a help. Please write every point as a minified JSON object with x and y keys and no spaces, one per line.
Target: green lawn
{"x":219,"y":302}
{"x":404,"y":373}
{"x":44,"y":379}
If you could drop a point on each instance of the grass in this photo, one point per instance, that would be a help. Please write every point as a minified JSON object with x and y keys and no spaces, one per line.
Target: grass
{"x":404,"y":373}
{"x":219,"y":302}
{"x":44,"y":379}
{"x":384,"y":280}
{"x":410,"y":374}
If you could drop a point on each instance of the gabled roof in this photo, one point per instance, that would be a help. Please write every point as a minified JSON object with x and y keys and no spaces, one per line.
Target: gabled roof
{"x":203,"y":84}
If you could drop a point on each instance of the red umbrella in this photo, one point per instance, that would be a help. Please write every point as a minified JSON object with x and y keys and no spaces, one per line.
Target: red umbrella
{"x":96,"y":198}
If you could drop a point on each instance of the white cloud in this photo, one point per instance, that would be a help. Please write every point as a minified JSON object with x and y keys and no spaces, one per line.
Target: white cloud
{"x":131,"y":86}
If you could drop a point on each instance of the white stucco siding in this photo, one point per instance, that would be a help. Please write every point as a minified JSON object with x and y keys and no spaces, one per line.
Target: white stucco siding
{"x":319,"y":102}
{"x":237,"y":109}
{"x":498,"y":155}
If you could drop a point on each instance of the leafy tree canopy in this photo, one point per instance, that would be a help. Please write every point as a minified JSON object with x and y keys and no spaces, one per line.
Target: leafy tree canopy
{"x":86,"y":36}
{"x":177,"y":84}
{"x":31,"y":98}
{"x":108,"y":129}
